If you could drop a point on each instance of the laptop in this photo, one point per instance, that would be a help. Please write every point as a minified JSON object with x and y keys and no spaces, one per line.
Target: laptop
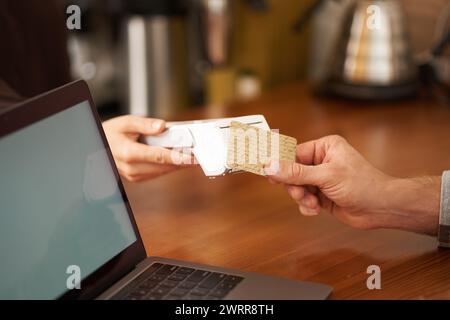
{"x":67,"y":230}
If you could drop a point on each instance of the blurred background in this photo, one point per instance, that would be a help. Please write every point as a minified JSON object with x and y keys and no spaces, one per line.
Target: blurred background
{"x":158,"y":58}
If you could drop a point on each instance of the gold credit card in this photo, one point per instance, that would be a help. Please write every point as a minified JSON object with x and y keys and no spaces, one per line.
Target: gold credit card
{"x":250,"y":148}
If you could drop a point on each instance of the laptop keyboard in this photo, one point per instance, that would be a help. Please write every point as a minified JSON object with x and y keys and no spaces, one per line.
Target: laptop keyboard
{"x":165,"y":281}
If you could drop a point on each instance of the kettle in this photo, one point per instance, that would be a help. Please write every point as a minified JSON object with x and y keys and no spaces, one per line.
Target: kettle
{"x":366,"y":53}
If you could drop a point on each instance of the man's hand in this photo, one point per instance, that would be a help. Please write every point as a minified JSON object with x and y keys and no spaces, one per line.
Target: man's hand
{"x":137,"y":161}
{"x":331,"y":175}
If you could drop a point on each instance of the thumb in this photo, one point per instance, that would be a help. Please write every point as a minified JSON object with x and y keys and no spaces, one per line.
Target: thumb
{"x":142,"y":125}
{"x":295,"y":173}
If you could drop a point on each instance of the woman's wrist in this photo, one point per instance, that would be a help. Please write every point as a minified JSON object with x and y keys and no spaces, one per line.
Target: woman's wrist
{"x":412,"y":204}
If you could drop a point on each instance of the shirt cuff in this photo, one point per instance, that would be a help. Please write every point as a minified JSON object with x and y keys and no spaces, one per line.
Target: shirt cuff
{"x":444,"y":214}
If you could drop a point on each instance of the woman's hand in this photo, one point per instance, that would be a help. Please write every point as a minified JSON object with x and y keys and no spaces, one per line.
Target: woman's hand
{"x":137,"y":161}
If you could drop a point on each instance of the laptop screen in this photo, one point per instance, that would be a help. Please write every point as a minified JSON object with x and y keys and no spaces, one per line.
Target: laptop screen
{"x":62,"y":212}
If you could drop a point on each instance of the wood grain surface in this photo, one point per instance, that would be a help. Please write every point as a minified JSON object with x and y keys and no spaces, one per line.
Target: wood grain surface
{"x":241,"y":221}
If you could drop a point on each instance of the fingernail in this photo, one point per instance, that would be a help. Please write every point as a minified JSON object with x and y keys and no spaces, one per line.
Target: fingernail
{"x":267,"y":162}
{"x":179,"y":157}
{"x":271,"y":168}
{"x":308,"y":211}
{"x":157,"y":124}
{"x":188,"y":160}
{"x":306,"y":202}
{"x":268,"y":168}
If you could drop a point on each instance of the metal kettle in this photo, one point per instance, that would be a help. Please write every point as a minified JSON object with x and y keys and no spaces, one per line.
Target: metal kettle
{"x":369,"y":56}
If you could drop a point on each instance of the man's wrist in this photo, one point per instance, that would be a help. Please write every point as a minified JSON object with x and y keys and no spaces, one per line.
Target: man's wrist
{"x":413,"y":204}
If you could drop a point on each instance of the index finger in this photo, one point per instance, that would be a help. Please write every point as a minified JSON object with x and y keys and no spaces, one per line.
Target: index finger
{"x":138,"y":152}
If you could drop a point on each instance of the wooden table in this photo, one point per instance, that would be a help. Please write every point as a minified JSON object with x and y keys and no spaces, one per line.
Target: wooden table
{"x":241,"y":221}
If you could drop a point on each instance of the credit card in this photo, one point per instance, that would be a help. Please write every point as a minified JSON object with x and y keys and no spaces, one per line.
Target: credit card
{"x":250,"y":148}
